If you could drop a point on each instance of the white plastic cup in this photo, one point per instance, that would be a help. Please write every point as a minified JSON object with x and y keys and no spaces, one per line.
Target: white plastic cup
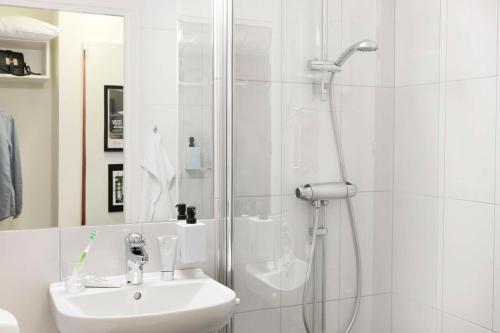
{"x":168,"y":254}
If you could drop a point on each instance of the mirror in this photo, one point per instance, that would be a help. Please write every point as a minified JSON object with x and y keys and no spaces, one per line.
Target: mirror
{"x":104,"y":180}
{"x":62,"y":126}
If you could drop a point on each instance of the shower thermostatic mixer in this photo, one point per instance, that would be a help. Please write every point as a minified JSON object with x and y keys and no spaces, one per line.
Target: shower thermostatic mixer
{"x":326,"y":191}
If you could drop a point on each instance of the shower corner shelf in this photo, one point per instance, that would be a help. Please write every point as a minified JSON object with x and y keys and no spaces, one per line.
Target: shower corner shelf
{"x":36,"y":55}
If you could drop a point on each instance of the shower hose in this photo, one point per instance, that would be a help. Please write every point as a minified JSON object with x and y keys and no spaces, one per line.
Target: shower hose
{"x":352,"y":219}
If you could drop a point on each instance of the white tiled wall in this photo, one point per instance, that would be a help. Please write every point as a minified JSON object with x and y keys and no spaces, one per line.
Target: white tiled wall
{"x":374,"y":314}
{"x":368,"y":19}
{"x":32,"y":259}
{"x":283,"y":139}
{"x":417,"y":41}
{"x":417,"y":238}
{"x":374,"y":216}
{"x":470,"y":139}
{"x":445,"y":164}
{"x":468,"y":260}
{"x":471,"y":37}
{"x":416,"y":139}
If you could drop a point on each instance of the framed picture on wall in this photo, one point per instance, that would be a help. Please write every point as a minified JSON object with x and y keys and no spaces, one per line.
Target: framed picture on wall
{"x":115,"y":187}
{"x":113,"y":118}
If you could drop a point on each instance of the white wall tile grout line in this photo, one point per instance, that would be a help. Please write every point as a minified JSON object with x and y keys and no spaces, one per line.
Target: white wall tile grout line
{"x":442,"y":127}
{"x":495,"y":245}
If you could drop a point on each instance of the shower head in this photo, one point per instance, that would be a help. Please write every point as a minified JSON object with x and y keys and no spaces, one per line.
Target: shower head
{"x":362,"y":46}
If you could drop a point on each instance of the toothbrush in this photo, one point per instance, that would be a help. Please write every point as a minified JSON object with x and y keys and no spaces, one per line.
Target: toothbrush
{"x":85,"y":252}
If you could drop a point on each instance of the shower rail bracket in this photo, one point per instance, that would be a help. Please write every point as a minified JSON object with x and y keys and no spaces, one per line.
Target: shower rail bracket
{"x":323,"y":66}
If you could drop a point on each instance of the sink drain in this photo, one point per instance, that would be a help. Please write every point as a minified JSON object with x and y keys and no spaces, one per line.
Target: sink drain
{"x":137,"y":295}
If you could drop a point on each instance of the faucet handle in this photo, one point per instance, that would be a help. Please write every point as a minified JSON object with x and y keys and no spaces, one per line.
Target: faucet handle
{"x":135,"y":239}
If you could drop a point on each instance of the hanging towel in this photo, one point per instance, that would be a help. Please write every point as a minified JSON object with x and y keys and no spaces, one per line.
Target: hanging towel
{"x":11,"y":183}
{"x":157,"y":177}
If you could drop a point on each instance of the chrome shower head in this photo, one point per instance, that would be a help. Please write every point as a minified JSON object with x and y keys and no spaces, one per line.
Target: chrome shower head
{"x":362,"y":46}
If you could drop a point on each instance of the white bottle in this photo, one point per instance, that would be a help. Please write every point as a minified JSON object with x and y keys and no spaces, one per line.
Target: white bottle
{"x":193,"y":156}
{"x":192,"y":239}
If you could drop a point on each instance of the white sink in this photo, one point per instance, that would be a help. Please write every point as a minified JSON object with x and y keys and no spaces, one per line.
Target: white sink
{"x":8,"y":323}
{"x":191,"y":303}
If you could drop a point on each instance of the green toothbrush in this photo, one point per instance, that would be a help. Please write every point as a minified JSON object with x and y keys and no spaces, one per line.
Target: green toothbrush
{"x":85,"y":252}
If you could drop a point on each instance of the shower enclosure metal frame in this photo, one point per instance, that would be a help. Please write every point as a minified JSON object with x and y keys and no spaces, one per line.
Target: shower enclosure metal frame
{"x":223,"y":101}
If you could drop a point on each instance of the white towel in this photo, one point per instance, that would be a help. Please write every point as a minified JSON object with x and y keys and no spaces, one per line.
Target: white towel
{"x":157,"y":177}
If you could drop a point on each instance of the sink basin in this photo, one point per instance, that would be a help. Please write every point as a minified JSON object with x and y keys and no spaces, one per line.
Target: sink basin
{"x":8,"y":323}
{"x":191,"y":303}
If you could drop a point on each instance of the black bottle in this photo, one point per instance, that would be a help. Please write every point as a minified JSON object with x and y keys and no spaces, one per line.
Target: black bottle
{"x":181,"y":211}
{"x":191,"y":215}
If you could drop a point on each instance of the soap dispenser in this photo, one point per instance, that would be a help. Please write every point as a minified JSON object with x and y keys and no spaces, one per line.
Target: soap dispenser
{"x":181,"y":211}
{"x":193,"y":156}
{"x":192,"y":239}
{"x":191,"y":215}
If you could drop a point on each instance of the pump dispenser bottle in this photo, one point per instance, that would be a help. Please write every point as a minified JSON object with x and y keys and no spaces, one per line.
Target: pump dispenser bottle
{"x":193,"y":156}
{"x":181,"y":211}
{"x":191,"y":215}
{"x":192,"y":238}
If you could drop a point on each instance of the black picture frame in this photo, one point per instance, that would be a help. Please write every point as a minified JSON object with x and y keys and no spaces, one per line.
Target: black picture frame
{"x":115,"y":187}
{"x":113,"y":118}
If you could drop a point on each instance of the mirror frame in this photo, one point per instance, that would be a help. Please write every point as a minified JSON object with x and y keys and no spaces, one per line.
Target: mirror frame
{"x":130,"y":11}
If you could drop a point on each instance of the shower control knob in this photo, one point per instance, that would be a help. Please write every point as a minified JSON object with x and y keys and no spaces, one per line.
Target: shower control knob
{"x":304,"y":192}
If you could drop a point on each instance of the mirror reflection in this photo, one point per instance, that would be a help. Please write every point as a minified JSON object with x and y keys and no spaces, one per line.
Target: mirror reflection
{"x":63,"y":115}
{"x":54,"y":68}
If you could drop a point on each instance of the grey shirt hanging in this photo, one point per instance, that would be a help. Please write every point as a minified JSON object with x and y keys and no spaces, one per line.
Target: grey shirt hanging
{"x":11,"y":184}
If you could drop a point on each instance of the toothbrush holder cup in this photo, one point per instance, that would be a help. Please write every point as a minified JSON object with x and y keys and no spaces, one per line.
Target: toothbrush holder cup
{"x":73,"y":276}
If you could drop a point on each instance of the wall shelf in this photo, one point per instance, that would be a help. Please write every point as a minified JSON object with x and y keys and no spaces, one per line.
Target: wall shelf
{"x":20,"y":79}
{"x":36,"y":55}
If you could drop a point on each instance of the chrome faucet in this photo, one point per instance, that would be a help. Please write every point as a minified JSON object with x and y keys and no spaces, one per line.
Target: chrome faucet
{"x":135,"y":258}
